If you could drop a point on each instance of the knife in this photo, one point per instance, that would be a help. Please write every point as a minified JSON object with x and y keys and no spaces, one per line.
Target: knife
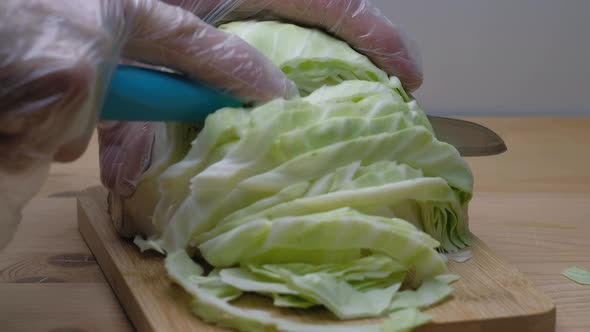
{"x":143,"y":94}
{"x":469,"y":138}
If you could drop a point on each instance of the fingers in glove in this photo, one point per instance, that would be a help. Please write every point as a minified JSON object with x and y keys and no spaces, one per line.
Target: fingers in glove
{"x":170,"y":36}
{"x":124,"y":153}
{"x":54,"y":56}
{"x":362,"y":25}
{"x":39,"y":109}
{"x":358,"y":22}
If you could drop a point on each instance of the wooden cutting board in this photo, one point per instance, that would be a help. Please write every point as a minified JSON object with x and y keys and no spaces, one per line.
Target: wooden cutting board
{"x":490,"y":296}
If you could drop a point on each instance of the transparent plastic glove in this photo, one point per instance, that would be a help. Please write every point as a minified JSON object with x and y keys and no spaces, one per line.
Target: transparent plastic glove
{"x":126,"y":148}
{"x":56,"y":57}
{"x":359,"y":22}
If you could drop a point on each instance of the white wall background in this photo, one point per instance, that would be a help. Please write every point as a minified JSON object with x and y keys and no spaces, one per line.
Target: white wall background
{"x":518,"y":56}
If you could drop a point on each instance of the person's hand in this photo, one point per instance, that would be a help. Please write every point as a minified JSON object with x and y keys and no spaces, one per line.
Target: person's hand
{"x":358,"y":22}
{"x":125,"y":148}
{"x":56,"y":57}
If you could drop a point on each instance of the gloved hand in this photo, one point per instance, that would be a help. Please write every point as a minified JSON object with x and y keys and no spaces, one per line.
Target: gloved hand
{"x":56,"y":57}
{"x":358,"y":22}
{"x":53,"y":75}
{"x":125,"y":148}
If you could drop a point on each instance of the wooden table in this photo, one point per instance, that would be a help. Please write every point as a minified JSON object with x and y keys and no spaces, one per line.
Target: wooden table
{"x":531,"y":205}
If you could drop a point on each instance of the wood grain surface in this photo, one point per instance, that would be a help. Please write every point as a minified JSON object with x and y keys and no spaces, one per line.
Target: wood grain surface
{"x":531,"y":207}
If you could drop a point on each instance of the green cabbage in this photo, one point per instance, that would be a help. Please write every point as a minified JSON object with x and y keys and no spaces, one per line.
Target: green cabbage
{"x":335,"y":199}
{"x":309,"y":57}
{"x":211,"y":302}
{"x":578,"y":275}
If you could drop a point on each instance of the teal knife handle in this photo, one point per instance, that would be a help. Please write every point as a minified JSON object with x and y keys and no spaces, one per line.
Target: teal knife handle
{"x":140,"y":94}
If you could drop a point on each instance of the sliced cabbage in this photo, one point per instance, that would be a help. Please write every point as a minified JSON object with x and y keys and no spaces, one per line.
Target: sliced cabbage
{"x":211,"y":302}
{"x":309,"y":57}
{"x":578,"y":275}
{"x":405,"y":320}
{"x":342,"y":198}
{"x":430,"y":292}
{"x":263,"y":162}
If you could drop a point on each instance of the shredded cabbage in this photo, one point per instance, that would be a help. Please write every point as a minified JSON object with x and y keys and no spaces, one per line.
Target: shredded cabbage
{"x":578,"y":275}
{"x":211,"y":302}
{"x":339,"y":199}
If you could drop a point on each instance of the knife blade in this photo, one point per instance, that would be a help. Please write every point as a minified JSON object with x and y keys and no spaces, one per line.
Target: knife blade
{"x":144,"y":94}
{"x":469,"y":138}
